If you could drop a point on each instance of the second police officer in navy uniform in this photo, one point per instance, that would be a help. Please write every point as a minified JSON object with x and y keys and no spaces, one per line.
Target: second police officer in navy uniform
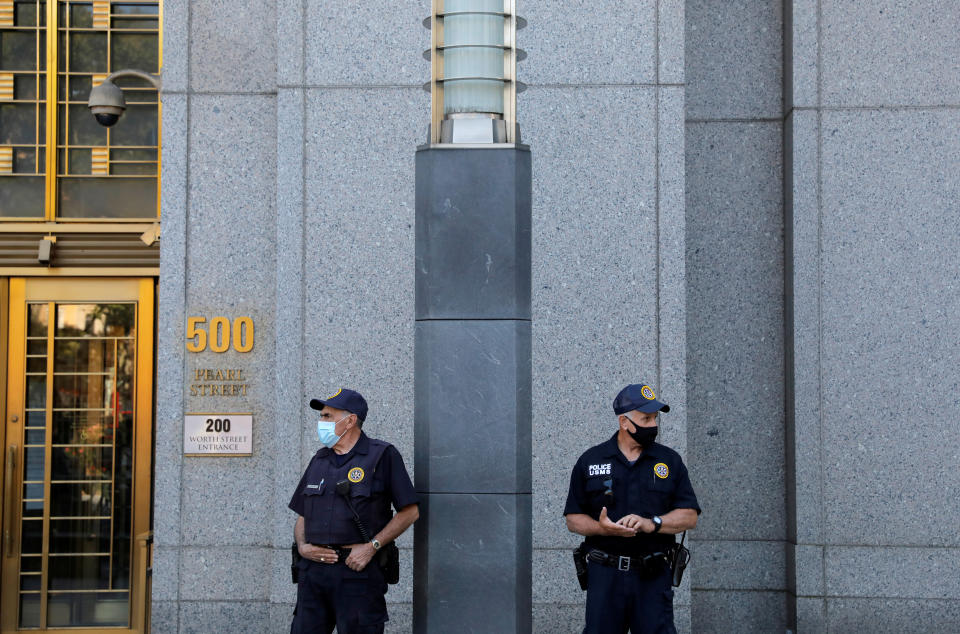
{"x":340,"y":582}
{"x":629,"y":496}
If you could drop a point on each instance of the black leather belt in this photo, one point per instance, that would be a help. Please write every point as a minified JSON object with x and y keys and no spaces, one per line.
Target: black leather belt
{"x":652,"y":563}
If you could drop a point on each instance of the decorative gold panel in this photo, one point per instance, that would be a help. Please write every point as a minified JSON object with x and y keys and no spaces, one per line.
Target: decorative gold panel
{"x":6,"y":12}
{"x":100,"y":161}
{"x":101,"y":15}
{"x":6,"y":160}
{"x":6,"y":86}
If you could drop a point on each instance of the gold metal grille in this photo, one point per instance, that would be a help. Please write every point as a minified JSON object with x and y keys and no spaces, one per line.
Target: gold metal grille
{"x":100,"y":160}
{"x":6,"y":160}
{"x":6,"y":13}
{"x":6,"y":86}
{"x":101,"y":15}
{"x":54,"y":53}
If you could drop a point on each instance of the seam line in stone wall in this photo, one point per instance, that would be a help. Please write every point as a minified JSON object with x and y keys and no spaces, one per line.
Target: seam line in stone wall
{"x":656,"y":204}
{"x":472,"y":319}
{"x":909,"y":107}
{"x":224,"y":93}
{"x":303,"y":45}
{"x":710,"y":589}
{"x":820,"y":476}
{"x":736,"y":120}
{"x":853,"y":597}
{"x":656,"y":42}
{"x":303,"y":253}
{"x":186,"y":251}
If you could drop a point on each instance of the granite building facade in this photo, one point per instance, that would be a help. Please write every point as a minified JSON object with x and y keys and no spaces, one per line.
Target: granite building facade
{"x":751,"y":205}
{"x":685,"y":229}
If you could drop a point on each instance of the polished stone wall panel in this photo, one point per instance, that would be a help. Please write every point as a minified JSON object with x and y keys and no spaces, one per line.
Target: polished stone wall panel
{"x":289,"y":348}
{"x":890,"y":270}
{"x":670,"y":41}
{"x":890,"y":53}
{"x":723,"y":611}
{"x":231,"y":262}
{"x":473,"y":234}
{"x":369,"y":44}
{"x":915,"y":573}
{"x":583,"y":44}
{"x":743,"y":565}
{"x":473,"y":392}
{"x":734,"y":328}
{"x":891,"y":615}
{"x":594,"y":276}
{"x":233,"y":46}
{"x":358,"y":255}
{"x":734,"y":56}
{"x":487,"y":534}
{"x":196,"y":617}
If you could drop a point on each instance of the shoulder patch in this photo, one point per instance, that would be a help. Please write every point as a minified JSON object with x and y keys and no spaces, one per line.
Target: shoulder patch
{"x":661,"y":470}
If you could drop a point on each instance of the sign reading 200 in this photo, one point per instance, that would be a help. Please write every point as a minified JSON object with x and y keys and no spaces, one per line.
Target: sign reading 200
{"x":220,"y":333}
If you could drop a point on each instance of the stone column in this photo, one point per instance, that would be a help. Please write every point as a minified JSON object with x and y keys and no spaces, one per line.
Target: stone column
{"x":472,"y":557}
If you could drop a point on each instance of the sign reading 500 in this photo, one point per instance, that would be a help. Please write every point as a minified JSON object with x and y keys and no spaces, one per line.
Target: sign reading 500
{"x":220,"y":334}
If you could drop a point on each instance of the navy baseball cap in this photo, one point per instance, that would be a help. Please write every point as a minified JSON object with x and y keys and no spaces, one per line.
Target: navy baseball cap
{"x":347,"y":400}
{"x":638,"y":396}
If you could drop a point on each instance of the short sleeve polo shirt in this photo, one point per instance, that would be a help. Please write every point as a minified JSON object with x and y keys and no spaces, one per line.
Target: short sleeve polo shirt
{"x":655,"y":484}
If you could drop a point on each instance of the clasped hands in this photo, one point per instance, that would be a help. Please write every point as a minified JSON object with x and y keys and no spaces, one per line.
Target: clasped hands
{"x":626,"y":526}
{"x":360,"y":555}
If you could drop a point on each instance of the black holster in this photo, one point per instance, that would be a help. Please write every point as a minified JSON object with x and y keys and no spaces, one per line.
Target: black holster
{"x":679,"y":557}
{"x":295,"y":559}
{"x":389,"y":560}
{"x":580,"y":564}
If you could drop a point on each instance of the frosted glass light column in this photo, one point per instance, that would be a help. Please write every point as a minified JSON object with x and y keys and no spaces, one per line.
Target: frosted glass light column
{"x":473,"y":59}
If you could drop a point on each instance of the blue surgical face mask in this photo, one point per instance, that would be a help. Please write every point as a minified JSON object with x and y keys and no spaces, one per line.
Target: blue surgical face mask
{"x":325,"y":431}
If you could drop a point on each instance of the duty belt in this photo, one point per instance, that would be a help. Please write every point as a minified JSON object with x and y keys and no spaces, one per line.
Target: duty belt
{"x":652,"y":563}
{"x":342,"y":552}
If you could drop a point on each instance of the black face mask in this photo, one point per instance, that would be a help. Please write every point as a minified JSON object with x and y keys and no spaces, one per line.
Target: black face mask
{"x":644,"y":436}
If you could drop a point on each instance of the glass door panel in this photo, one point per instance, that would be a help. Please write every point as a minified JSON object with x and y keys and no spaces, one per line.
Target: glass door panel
{"x":74,"y":365}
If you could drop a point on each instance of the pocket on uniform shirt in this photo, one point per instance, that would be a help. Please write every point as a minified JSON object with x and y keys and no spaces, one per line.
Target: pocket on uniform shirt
{"x":311,"y":498}
{"x":596,"y":486}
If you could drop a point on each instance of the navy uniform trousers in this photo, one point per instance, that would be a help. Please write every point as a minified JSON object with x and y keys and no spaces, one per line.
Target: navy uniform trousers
{"x":618,"y":600}
{"x":331,"y":595}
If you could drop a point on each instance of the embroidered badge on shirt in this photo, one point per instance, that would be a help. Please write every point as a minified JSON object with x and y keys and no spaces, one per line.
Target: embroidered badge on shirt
{"x":661,"y":470}
{"x":647,"y":393}
{"x":355,"y":475}
{"x":599,"y":469}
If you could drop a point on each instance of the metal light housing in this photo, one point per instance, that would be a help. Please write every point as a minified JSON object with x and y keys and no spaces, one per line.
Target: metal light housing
{"x":473,"y":83}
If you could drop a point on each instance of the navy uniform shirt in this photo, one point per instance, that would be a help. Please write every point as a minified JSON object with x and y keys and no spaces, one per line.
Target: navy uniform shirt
{"x":655,"y":484}
{"x":389,"y":484}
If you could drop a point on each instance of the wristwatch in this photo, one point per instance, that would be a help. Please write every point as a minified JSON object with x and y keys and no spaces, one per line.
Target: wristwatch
{"x":657,"y":523}
{"x":376,"y":544}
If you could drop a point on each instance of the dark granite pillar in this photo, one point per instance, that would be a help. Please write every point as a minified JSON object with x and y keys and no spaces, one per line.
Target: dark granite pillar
{"x":472,"y":556}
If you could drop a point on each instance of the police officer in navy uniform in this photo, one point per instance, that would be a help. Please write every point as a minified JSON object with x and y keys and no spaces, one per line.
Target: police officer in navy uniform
{"x":629,"y":496}
{"x":340,"y":582}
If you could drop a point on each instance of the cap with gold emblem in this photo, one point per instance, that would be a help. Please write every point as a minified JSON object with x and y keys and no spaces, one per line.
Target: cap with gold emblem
{"x":639,"y":396}
{"x":344,"y":399}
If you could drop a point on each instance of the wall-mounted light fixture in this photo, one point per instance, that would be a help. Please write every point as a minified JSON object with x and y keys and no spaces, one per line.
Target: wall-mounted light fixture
{"x":106,"y":98}
{"x":473,"y":80}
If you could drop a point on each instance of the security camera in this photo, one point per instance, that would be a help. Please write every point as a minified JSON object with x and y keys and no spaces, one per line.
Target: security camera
{"x":107,"y":103}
